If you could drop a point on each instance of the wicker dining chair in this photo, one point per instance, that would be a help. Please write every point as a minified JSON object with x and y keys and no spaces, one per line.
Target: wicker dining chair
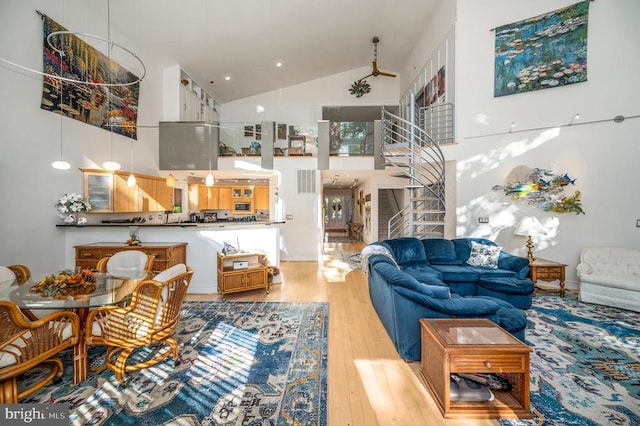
{"x":21,"y":272}
{"x":126,"y":263}
{"x":25,"y":345}
{"x":149,"y":320}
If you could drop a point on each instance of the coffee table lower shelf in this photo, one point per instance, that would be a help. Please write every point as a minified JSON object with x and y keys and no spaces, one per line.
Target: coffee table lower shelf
{"x":504,"y":406}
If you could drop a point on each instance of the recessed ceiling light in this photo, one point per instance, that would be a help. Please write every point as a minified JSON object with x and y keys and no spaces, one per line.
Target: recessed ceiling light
{"x":278,"y":64}
{"x":227,"y":78}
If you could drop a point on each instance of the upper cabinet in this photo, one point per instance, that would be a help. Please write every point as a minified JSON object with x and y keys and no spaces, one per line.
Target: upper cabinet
{"x":108,"y":192}
{"x":186,"y":99}
{"x":261,"y":194}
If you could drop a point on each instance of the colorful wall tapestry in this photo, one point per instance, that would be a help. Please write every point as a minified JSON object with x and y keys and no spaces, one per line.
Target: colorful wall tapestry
{"x":542,"y":52}
{"x":114,"y":108}
{"x":541,"y":188}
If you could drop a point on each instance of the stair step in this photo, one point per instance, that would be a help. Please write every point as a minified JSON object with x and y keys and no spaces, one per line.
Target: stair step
{"x":400,"y":175}
{"x":420,"y":211}
{"x":428,"y":223}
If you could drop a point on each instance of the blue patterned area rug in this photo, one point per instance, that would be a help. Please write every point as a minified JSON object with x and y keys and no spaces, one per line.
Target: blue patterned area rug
{"x":242,"y":363}
{"x":585,"y":367}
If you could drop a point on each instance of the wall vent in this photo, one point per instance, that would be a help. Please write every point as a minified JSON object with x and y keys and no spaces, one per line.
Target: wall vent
{"x":306,"y":180}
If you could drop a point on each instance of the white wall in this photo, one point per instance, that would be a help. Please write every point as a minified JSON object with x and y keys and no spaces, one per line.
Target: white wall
{"x":600,"y":156}
{"x":30,"y":137}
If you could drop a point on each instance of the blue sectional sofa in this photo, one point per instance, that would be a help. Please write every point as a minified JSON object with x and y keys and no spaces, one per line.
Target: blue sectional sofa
{"x":411,"y":279}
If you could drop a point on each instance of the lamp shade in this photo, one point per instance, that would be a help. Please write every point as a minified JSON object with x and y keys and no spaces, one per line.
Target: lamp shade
{"x":528,"y":225}
{"x":171,"y":181}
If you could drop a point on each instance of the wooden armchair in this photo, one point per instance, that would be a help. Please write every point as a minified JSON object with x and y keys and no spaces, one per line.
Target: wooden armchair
{"x":150,"y":318}
{"x":27,"y":344}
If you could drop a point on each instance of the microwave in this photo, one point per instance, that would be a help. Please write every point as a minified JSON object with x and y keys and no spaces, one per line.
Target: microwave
{"x":243,"y":207}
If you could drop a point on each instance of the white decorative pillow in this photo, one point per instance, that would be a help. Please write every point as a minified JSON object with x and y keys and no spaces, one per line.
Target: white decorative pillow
{"x":484,"y":255}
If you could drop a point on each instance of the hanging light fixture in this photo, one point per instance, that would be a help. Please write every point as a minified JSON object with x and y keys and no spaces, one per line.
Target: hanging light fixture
{"x":60,"y":164}
{"x":171,"y":181}
{"x":209,"y":181}
{"x":110,"y":164}
{"x":131,"y":181}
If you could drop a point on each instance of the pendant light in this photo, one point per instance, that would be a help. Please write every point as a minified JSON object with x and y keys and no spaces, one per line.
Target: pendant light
{"x":171,"y":181}
{"x":209,"y":181}
{"x":110,"y":164}
{"x":60,"y":164}
{"x":131,"y":181}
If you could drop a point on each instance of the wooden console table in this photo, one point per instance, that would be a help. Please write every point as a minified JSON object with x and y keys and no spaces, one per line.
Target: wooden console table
{"x":241,"y":272}
{"x":547,"y":270}
{"x":167,"y":254}
{"x":463,"y":345}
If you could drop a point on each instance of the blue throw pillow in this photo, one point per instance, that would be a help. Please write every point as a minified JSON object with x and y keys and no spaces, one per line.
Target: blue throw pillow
{"x":436,"y":291}
{"x":440,"y":251}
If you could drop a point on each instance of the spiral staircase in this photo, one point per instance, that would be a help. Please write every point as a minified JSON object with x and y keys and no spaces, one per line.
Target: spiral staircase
{"x":416,"y":155}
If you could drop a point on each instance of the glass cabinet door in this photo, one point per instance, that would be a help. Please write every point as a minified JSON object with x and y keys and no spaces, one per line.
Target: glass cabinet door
{"x":247,"y":192}
{"x":98,"y":190}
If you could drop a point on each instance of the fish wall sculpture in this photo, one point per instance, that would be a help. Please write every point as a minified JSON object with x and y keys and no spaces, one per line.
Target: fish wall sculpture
{"x":543,"y":189}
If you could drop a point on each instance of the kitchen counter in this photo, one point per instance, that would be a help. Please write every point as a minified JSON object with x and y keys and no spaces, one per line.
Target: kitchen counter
{"x":220,"y":224}
{"x":204,"y":241}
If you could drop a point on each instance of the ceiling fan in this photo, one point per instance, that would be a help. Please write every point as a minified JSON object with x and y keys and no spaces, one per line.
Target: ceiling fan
{"x":375,"y":71}
{"x":361,"y":86}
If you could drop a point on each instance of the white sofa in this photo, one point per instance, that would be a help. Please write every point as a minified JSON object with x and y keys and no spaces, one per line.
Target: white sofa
{"x":610,"y":276}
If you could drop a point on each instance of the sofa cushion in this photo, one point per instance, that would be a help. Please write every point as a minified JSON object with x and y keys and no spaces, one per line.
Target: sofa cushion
{"x":426,"y":274}
{"x":456,"y":273}
{"x":484,"y":255}
{"x":492,"y":273}
{"x":436,"y":291}
{"x":408,"y":252}
{"x":440,"y":252}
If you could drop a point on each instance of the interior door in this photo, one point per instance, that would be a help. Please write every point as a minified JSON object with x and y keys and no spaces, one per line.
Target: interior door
{"x":335,"y":215}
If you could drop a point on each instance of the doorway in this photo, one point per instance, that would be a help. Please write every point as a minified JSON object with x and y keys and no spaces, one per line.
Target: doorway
{"x":390,"y":201}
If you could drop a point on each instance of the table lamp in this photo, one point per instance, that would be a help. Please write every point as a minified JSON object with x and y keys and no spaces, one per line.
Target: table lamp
{"x":528,"y":227}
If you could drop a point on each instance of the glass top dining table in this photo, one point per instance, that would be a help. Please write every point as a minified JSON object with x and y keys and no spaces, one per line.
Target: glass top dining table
{"x":110,"y":290}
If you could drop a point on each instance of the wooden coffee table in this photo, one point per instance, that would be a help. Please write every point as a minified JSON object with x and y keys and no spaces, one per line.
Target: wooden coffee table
{"x":474,"y":346}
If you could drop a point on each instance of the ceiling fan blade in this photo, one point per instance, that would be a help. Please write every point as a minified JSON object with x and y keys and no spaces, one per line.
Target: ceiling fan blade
{"x":386,"y":74}
{"x":369,"y":75}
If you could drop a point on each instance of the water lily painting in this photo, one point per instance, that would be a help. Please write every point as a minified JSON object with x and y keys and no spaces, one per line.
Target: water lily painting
{"x":542,"y":52}
{"x":113,"y":107}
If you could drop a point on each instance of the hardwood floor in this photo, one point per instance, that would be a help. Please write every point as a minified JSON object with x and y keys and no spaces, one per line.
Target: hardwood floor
{"x":368,"y":383}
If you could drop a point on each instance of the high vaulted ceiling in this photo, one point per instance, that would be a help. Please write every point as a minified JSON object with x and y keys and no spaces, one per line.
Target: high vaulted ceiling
{"x":244,"y":39}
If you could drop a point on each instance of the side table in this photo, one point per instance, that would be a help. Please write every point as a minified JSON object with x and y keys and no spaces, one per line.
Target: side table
{"x":466,"y":345}
{"x":547,"y":270}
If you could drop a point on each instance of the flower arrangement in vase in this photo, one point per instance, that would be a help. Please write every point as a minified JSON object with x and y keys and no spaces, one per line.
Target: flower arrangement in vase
{"x":69,"y":207}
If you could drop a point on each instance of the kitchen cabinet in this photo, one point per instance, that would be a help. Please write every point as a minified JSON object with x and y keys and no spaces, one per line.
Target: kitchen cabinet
{"x":208,"y":197}
{"x":167,"y":254}
{"x":109,"y":192}
{"x":242,"y":192}
{"x":124,"y":197}
{"x":225,"y":201}
{"x":261,"y":195}
{"x":241,"y":272}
